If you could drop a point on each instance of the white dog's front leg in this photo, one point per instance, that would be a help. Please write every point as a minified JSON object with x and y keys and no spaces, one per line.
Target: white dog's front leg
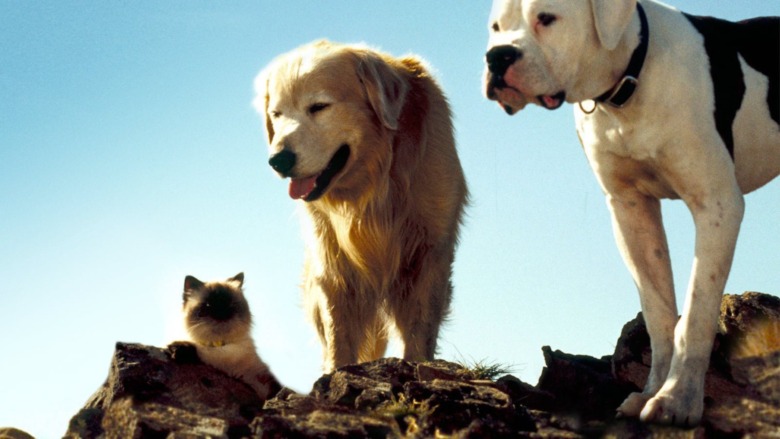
{"x":717,"y":219}
{"x":642,"y":242}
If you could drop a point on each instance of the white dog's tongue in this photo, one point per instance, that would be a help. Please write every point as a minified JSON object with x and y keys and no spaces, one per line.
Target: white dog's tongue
{"x":550,"y":101}
{"x":302,"y":187}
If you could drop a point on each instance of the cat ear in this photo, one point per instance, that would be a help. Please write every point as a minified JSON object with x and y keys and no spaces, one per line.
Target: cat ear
{"x":190,"y":283}
{"x":239,"y":279}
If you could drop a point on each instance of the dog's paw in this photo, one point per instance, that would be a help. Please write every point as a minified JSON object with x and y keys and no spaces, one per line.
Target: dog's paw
{"x":668,"y":409}
{"x":633,"y":405}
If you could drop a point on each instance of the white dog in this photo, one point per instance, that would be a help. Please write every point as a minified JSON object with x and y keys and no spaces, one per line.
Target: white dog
{"x":700,"y":124}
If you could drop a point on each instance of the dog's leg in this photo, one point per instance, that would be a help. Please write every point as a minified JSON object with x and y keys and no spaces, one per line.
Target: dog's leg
{"x":375,"y":342}
{"x":419,"y":308}
{"x":641,"y":239}
{"x":343,"y":335}
{"x":341,"y":322}
{"x":717,"y":210}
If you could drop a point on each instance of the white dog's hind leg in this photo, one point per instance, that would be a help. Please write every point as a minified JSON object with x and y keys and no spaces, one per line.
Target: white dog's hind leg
{"x":717,"y":218}
{"x":641,"y":239}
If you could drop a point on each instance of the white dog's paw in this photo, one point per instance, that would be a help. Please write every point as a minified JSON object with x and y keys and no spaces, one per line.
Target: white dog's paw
{"x":684,"y":410}
{"x":633,"y":405}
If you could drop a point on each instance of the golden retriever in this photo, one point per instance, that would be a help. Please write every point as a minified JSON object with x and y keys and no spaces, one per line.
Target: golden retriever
{"x":367,"y":142}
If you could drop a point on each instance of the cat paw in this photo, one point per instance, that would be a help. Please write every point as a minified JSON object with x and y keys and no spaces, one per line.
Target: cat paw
{"x":183,"y":352}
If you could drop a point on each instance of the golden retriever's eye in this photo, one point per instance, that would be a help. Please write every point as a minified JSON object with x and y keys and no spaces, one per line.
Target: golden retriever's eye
{"x":316,"y":108}
{"x":275,"y":114}
{"x":546,"y":19}
{"x":495,"y":27}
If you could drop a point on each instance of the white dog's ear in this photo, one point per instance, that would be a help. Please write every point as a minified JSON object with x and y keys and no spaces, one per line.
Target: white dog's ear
{"x":385,"y":88}
{"x":611,"y":18}
{"x":261,"y":102}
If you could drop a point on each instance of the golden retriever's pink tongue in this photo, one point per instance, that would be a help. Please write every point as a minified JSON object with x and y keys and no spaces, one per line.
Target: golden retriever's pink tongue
{"x":302,"y":187}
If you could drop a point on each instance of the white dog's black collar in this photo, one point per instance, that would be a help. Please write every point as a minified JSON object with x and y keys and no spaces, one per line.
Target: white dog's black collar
{"x":619,"y":95}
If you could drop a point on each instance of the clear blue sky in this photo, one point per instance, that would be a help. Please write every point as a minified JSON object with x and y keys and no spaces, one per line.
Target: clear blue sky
{"x":130,"y":156}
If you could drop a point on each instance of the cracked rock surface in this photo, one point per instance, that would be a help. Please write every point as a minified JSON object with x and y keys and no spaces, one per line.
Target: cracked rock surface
{"x":159,"y":392}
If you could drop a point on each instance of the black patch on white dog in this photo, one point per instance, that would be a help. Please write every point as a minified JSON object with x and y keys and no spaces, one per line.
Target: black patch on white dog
{"x":727,"y":79}
{"x":758,"y":43}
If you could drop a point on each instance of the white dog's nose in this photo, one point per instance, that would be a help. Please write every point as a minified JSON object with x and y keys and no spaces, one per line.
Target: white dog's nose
{"x":499,"y":58}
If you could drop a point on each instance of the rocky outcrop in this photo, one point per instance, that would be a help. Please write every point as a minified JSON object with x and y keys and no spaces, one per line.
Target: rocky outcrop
{"x":13,"y":433}
{"x":154,"y":392}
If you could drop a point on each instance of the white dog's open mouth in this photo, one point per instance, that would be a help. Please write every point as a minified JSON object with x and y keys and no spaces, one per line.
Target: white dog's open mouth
{"x":313,"y":187}
{"x":552,"y":102}
{"x":512,"y":100}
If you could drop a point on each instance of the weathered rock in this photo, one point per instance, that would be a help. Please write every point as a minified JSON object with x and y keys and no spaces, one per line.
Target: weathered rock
{"x":529,"y":395}
{"x":741,"y":314}
{"x":742,"y":387}
{"x":750,"y":324}
{"x":759,"y":373}
{"x":632,"y":358}
{"x":153,"y":392}
{"x":148,"y":391}
{"x":392,"y":371}
{"x":450,"y":407}
{"x":443,"y":370}
{"x":582,"y":385}
{"x":14,"y":433}
{"x":323,"y":424}
{"x":128,"y":419}
{"x":393,"y":397}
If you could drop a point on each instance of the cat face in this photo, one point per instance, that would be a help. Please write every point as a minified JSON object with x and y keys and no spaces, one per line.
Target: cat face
{"x":216,"y":312}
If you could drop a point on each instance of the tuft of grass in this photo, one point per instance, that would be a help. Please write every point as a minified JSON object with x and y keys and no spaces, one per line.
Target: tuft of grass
{"x":486,"y":369}
{"x":405,"y":412}
{"x":400,"y":407}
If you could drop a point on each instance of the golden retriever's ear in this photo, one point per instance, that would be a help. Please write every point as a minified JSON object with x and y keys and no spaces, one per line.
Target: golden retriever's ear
{"x":261,"y":102}
{"x":385,"y":88}
{"x":611,"y":18}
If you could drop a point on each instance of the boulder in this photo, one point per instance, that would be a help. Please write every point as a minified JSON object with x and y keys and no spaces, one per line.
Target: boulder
{"x":151,"y":390}
{"x":168,"y":392}
{"x":742,"y":387}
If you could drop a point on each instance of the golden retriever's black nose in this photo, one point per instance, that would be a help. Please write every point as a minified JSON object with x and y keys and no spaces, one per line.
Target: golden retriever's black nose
{"x":500,"y":58}
{"x":282,"y":161}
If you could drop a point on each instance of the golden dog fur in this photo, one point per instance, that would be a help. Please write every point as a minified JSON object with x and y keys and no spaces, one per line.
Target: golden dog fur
{"x":380,"y":240}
